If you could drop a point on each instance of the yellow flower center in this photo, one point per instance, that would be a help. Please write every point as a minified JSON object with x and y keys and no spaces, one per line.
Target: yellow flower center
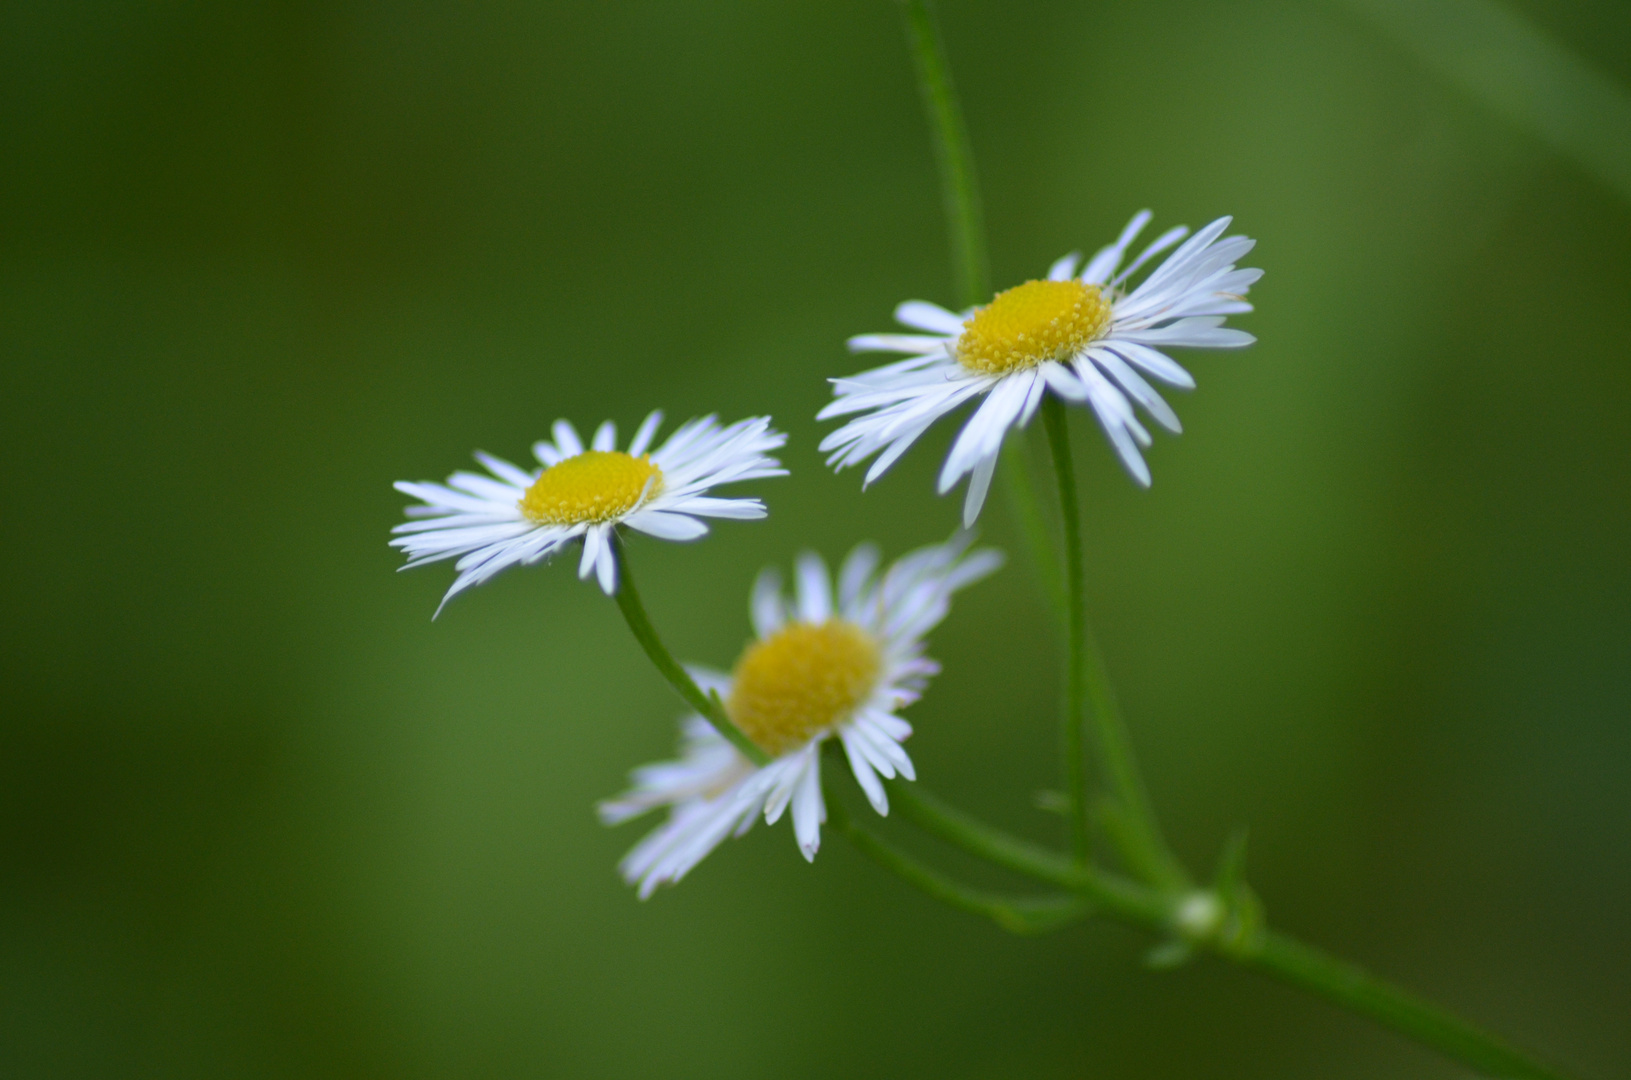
{"x":801,"y":680}
{"x":596,"y":485}
{"x":1031,"y":323}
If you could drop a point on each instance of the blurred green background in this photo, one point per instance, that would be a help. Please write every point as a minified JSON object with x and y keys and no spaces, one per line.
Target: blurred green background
{"x":260,"y":817}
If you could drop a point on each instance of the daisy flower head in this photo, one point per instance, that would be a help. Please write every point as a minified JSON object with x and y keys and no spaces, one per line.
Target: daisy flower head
{"x":515,"y":516}
{"x":824,"y":665}
{"x":1090,"y":337}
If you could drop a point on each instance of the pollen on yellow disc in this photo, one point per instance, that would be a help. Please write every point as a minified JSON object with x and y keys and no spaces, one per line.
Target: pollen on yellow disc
{"x":596,"y":485}
{"x":800,"y":680}
{"x":1031,"y":323}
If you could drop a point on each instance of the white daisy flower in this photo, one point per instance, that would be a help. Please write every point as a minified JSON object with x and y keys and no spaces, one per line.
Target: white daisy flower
{"x":518,"y":517}
{"x":1084,"y":336}
{"x":822,"y":667}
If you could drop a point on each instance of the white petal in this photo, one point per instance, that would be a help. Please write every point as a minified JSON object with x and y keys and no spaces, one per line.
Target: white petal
{"x":769,"y":613}
{"x":852,"y":576}
{"x":1154,"y":363}
{"x":504,"y":470}
{"x":1064,"y":268}
{"x":566,"y":438}
{"x":1158,"y":245}
{"x":605,"y":437}
{"x":740,"y":509}
{"x":814,"y":588}
{"x":864,"y":775}
{"x":643,"y":434}
{"x":666,"y":526}
{"x":606,"y":567}
{"x":902,"y":343}
{"x":922,"y":315}
{"x":983,"y":433}
{"x":808,"y":809}
{"x":979,"y":482}
{"x":592,"y":542}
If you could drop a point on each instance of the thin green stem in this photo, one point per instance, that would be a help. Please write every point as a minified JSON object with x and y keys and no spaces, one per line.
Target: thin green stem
{"x":1075,"y":714}
{"x":1016,"y":914}
{"x":709,"y":705}
{"x":1016,"y":474}
{"x":1358,"y":991}
{"x":1115,"y":895}
{"x":1129,"y":816}
{"x":959,"y":189}
{"x":1160,"y":910}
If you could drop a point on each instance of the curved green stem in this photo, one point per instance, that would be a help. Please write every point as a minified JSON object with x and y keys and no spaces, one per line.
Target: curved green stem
{"x":1162,"y":911}
{"x":709,"y":705}
{"x":1129,"y":817}
{"x":960,"y":191}
{"x":1016,"y":914}
{"x":1114,"y":895}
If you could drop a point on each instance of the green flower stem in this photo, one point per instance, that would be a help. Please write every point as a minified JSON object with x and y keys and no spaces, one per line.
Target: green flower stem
{"x":1114,"y":895}
{"x":959,"y":190}
{"x":1019,"y":915}
{"x":1159,"y":909}
{"x":1075,"y":715}
{"x":1090,"y":702}
{"x":1358,"y":991}
{"x":1016,"y":474}
{"x":709,"y":705}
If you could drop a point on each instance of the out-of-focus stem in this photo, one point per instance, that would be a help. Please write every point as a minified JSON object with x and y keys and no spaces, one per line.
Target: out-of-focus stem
{"x":1016,"y":914}
{"x":960,"y":190}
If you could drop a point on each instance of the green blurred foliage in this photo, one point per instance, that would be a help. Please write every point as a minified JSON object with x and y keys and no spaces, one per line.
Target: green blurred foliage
{"x":260,"y":817}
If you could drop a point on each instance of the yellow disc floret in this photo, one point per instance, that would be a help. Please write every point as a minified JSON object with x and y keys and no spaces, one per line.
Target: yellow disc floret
{"x":801,"y":680}
{"x":594,"y":486}
{"x":1032,"y":323}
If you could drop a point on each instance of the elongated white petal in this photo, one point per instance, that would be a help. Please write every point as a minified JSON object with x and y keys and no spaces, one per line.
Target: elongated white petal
{"x":808,"y":809}
{"x":922,"y":315}
{"x":864,"y":774}
{"x":766,"y":602}
{"x":643,"y":434}
{"x":666,"y":526}
{"x":566,"y":438}
{"x":592,"y":540}
{"x":814,"y":588}
{"x":979,"y":482}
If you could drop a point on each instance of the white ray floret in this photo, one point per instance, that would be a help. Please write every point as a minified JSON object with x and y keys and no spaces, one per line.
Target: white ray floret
{"x":514,"y":516}
{"x":1090,"y":337}
{"x":827,"y":664}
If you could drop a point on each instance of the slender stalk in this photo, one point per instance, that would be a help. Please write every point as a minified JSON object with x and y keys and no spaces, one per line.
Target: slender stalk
{"x":1091,"y":703}
{"x":1158,"y":910}
{"x":1016,"y":474}
{"x":709,"y":705}
{"x":1019,"y":915}
{"x":1358,"y":991}
{"x":959,"y":189}
{"x":1121,"y":897}
{"x":1075,"y":717}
